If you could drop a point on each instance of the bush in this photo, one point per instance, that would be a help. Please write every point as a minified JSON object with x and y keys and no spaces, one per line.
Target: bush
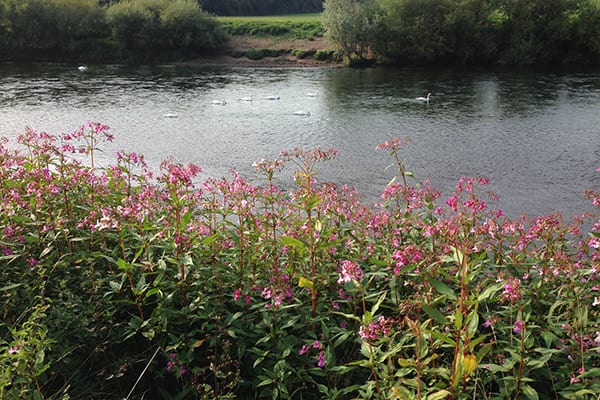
{"x":303,"y":53}
{"x":324,"y":55}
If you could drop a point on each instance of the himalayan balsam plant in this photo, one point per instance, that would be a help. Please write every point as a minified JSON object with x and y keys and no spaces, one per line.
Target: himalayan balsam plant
{"x":118,"y":281}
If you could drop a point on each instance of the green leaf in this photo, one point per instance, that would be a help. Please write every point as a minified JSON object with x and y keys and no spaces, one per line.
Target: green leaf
{"x":473,"y":323}
{"x":591,"y":373}
{"x":376,"y":305}
{"x":305,"y":283}
{"x":442,"y":394}
{"x":443,"y":338}
{"x":115,"y":286}
{"x":292,"y":242}
{"x":10,"y":287}
{"x":458,"y":321}
{"x":435,"y":314}
{"x":530,"y":392}
{"x":444,"y":289}
{"x":123,"y":265}
{"x":489,"y":292}
{"x":265,"y":382}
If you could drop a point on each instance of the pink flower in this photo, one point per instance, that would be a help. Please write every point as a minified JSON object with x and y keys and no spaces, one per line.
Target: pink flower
{"x":13,"y":350}
{"x":349,"y":271}
{"x":518,"y":327}
{"x":511,"y":290}
{"x":321,"y":359}
{"x":303,"y":350}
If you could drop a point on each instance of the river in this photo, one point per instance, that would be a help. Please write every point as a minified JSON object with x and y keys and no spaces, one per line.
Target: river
{"x":534,"y":133}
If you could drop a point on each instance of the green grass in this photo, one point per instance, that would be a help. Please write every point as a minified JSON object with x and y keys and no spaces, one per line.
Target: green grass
{"x":294,"y":18}
{"x":303,"y":26}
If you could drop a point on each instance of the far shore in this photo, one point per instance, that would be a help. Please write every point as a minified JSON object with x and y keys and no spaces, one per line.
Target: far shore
{"x":286,"y":61}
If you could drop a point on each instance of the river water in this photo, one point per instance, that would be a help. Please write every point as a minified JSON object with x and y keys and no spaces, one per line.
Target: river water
{"x":534,"y":133}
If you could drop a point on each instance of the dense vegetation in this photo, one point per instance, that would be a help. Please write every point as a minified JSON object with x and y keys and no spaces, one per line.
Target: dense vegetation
{"x":261,"y":7}
{"x":510,"y":32}
{"x":466,"y":31}
{"x":121,"y":282}
{"x":148,"y":30}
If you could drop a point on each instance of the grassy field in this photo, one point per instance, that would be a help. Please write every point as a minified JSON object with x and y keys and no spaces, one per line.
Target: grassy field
{"x":301,"y":26}
{"x":294,"y":18}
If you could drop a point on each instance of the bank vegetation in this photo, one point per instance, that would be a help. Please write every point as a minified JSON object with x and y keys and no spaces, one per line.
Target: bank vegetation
{"x":440,"y":32}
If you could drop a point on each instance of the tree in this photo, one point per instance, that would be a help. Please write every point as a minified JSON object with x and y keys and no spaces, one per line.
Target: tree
{"x":353,"y":25}
{"x":127,"y":20}
{"x":187,"y":27}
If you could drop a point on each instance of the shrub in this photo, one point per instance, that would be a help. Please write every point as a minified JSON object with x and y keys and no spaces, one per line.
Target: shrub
{"x":303,"y":53}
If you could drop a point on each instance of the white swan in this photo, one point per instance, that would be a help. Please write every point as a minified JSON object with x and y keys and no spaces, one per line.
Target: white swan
{"x":271,"y":97}
{"x":313,"y":94}
{"x":245,"y":98}
{"x":82,"y":68}
{"x":425,"y":99}
{"x":304,"y":113}
{"x":219,"y":102}
{"x":170,"y":115}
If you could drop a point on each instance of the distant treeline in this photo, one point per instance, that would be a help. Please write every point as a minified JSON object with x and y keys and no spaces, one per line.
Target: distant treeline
{"x":261,"y":7}
{"x":514,"y":32}
{"x":88,"y":30}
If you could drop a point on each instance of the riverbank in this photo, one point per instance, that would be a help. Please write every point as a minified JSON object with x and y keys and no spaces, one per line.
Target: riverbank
{"x":288,"y":52}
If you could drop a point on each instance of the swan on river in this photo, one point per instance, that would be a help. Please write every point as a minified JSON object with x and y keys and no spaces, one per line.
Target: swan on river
{"x":170,"y":115}
{"x":305,"y":113}
{"x":219,"y":102}
{"x":313,"y":94}
{"x":245,"y":98}
{"x":271,"y":97}
{"x":82,"y":68}
{"x":425,"y":99}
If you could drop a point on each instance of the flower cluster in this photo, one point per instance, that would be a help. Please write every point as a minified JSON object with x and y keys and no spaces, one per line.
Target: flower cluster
{"x":349,"y":272}
{"x":511,"y":290}
{"x":174,"y":365}
{"x":305,"y":349}
{"x":376,"y":329}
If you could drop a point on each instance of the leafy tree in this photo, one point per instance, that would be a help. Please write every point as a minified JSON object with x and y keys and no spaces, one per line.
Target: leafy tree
{"x":50,"y":24}
{"x":187,"y":27}
{"x":353,"y":25}
{"x":127,"y":20}
{"x":585,"y":30}
{"x":261,"y":7}
{"x":163,"y":24}
{"x":76,"y":20}
{"x":534,"y":30}
{"x":416,"y":29}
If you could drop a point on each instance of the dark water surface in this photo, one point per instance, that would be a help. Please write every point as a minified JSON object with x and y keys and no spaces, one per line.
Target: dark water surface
{"x":534,"y":133}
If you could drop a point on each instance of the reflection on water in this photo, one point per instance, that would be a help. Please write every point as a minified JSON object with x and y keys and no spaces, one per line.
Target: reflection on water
{"x":535,"y":134}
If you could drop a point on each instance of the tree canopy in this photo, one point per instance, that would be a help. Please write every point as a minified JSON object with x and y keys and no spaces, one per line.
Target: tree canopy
{"x":55,"y":29}
{"x":261,"y":7}
{"x":466,"y":31}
